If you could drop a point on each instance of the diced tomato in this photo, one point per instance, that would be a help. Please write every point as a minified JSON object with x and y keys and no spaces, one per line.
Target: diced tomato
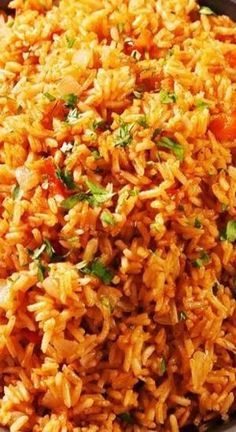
{"x":231,"y":58}
{"x":56,"y":186}
{"x":224,"y":127}
{"x":54,"y":110}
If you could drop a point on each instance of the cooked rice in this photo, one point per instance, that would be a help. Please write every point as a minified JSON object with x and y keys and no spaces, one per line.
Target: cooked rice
{"x":118,"y":216}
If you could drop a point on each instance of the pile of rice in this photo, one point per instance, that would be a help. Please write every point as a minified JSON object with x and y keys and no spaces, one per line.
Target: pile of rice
{"x":117,"y":216}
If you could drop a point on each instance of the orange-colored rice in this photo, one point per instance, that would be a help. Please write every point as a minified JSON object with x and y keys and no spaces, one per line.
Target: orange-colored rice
{"x":133,"y":327}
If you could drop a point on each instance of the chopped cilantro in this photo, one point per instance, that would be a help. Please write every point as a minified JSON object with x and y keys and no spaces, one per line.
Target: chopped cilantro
{"x":142,"y":121}
{"x":96,"y":154}
{"x":100,"y":125}
{"x":71,"y":201}
{"x":167,"y":97}
{"x":202,"y":260}
{"x":73,"y":116}
{"x":229,"y":232}
{"x":124,"y":136}
{"x":163,"y":366}
{"x":50,"y":97}
{"x":95,"y":196}
{"x":16,"y":192}
{"x":71,"y":100}
{"x":98,"y":194}
{"x":98,"y":269}
{"x":126,"y":417}
{"x":108,"y":218}
{"x":41,"y":271}
{"x":197,"y":223}
{"x":205,"y":10}
{"x":133,"y":192}
{"x":182,"y":316}
{"x":70,"y":41}
{"x":49,"y":249}
{"x":172,"y":145}
{"x":66,"y":178}
{"x":201,"y":104}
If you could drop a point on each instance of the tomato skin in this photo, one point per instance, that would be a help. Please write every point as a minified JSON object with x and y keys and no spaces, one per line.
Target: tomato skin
{"x":54,"y":110}
{"x":224,"y":127}
{"x":31,"y":336}
{"x":56,"y":186}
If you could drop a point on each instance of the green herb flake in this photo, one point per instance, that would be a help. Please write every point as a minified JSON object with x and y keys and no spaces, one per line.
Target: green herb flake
{"x":126,"y":417}
{"x":163,"y":366}
{"x":202,"y":260}
{"x":142,"y":121}
{"x":98,"y":269}
{"x":172,"y":145}
{"x":97,"y":194}
{"x":108,"y":218}
{"x":16,"y":192}
{"x":50,"y":97}
{"x":96,"y":154}
{"x":205,"y":10}
{"x":124,"y":137}
{"x":134,"y":192}
{"x":197,"y":223}
{"x":229,"y":233}
{"x":41,"y":272}
{"x":70,"y":202}
{"x":73,"y":116}
{"x":201,"y":104}
{"x":70,"y":42}
{"x":182,"y":316}
{"x":100,"y":125}
{"x":167,"y":97}
{"x":71,"y":100}
{"x":66,"y":178}
{"x":50,"y":251}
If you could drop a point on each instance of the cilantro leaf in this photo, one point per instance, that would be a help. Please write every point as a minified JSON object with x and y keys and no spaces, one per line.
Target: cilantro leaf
{"x":229,"y":232}
{"x":71,"y":100}
{"x":123,"y":136}
{"x":172,"y":145}
{"x":70,"y":202}
{"x":98,"y":194}
{"x":97,"y":268}
{"x":126,"y":417}
{"x":201,"y":104}
{"x":108,"y":218}
{"x":197,"y":223}
{"x":142,"y":121}
{"x":167,"y":97}
{"x":163,"y":366}
{"x":66,"y":178}
{"x":50,"y":97}
{"x":70,"y":41}
{"x":41,"y":271}
{"x":202,"y":260}
{"x":16,"y":192}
